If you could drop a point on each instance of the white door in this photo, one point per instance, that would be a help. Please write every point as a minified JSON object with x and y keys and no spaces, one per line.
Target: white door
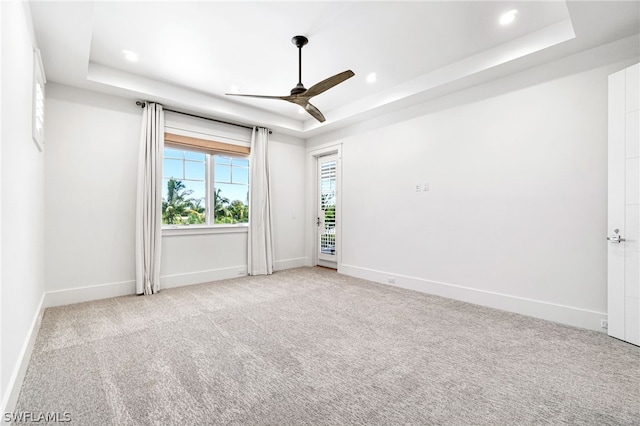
{"x":326,"y":210}
{"x":624,"y":206}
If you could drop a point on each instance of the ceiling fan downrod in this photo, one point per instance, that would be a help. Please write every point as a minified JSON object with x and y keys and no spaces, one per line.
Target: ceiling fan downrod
{"x":299,"y":41}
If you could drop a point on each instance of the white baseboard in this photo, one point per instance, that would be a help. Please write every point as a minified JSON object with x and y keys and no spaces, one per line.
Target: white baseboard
{"x":89,"y":293}
{"x":297,"y":262}
{"x":125,"y":288}
{"x":20,"y":369}
{"x":568,"y":315}
{"x":189,"y":278}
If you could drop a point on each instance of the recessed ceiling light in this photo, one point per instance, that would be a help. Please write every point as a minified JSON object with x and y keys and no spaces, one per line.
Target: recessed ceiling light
{"x":371,"y":77}
{"x":130,"y":56}
{"x":508,"y":17}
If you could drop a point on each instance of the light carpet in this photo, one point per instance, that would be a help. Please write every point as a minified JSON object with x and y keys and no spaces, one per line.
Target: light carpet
{"x":309,"y":346}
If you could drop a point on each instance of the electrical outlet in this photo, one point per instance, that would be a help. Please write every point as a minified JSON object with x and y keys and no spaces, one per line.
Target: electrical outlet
{"x":604,"y":324}
{"x":391,"y":280}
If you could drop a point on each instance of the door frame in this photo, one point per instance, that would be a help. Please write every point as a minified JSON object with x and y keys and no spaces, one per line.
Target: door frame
{"x":313,"y":154}
{"x":329,"y":261}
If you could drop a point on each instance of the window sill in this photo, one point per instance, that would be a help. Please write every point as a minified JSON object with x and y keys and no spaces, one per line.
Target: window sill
{"x":203,"y":230}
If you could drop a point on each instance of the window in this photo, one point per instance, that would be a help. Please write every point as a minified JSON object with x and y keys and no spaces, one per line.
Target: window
{"x":231,"y":189}
{"x":201,"y":186}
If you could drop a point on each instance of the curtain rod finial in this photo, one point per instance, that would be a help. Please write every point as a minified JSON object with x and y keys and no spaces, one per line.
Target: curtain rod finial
{"x":141,"y":104}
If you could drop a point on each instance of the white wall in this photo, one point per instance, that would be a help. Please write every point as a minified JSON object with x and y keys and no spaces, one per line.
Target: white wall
{"x":287,"y":172}
{"x":21,"y":197}
{"x":2,"y":385}
{"x":515,"y":215}
{"x":92,"y":151}
{"x":90,"y":188}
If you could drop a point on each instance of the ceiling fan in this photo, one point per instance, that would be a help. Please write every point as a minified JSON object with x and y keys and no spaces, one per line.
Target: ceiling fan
{"x":301,"y":95}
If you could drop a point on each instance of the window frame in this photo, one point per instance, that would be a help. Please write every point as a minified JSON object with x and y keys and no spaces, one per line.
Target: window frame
{"x":210,"y":148}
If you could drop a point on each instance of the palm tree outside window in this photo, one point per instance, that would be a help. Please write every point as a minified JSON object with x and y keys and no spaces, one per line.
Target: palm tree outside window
{"x":204,"y":189}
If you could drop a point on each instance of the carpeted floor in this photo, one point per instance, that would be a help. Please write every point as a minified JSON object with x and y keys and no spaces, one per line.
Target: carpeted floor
{"x":311,"y":347}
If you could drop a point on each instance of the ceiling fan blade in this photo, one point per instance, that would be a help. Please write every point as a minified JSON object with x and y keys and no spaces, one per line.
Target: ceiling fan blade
{"x":303,"y":102}
{"x":260,"y":96}
{"x":315,"y":112}
{"x":327,"y":84}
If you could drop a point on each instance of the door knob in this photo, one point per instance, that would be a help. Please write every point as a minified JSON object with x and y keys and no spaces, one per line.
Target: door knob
{"x":616,"y":238}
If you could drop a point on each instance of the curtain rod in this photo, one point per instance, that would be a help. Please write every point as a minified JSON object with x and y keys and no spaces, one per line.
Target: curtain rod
{"x":142,"y":104}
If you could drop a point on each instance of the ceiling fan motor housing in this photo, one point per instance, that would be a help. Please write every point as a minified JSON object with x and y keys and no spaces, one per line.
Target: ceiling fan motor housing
{"x":298,"y":89}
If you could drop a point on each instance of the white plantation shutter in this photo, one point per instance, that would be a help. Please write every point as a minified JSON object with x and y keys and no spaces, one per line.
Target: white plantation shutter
{"x":328,"y":206}
{"x":38,"y":101}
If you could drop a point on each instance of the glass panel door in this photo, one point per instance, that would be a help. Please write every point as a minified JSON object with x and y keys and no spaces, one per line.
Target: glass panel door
{"x":326,"y":220}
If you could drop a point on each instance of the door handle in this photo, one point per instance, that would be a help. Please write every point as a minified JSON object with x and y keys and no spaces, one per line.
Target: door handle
{"x":616,"y":238}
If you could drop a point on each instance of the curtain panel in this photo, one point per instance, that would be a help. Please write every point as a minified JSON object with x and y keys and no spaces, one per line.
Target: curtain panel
{"x":149,"y":200}
{"x":260,"y":240}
